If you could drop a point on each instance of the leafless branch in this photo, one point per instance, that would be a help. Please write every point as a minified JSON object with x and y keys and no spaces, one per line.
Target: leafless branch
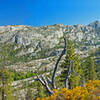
{"x":41,"y":81}
{"x":58,"y":60}
{"x":74,"y":71}
{"x":46,"y":82}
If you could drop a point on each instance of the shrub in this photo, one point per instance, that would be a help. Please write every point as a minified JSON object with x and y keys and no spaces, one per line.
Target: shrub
{"x":91,"y":91}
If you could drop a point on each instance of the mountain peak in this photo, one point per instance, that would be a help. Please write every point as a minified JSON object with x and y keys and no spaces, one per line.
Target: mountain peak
{"x":95,"y":24}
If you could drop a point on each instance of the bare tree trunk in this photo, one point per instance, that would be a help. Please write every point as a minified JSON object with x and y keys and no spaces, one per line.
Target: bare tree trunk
{"x":45,"y":82}
{"x":68,"y":75}
{"x":70,"y":70}
{"x":69,"y":83}
{"x":58,"y":60}
{"x":3,"y":95}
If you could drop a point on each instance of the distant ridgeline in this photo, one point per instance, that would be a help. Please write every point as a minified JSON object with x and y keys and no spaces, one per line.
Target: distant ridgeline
{"x":26,"y":43}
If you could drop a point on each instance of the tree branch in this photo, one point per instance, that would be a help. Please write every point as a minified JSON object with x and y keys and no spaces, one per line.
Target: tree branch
{"x":74,"y":71}
{"x":44,"y":82}
{"x":41,"y":81}
{"x":68,"y":75}
{"x":57,"y":62}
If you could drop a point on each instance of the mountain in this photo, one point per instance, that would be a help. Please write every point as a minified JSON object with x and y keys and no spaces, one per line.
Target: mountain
{"x":28,"y":50}
{"x":21,"y":43}
{"x":95,"y":24}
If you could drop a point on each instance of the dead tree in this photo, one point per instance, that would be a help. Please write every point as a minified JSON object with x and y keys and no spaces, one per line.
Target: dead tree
{"x":46,"y":81}
{"x":58,"y":60}
{"x":69,"y":72}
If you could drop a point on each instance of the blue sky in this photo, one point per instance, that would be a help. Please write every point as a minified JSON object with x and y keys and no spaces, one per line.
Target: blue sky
{"x":48,"y":12}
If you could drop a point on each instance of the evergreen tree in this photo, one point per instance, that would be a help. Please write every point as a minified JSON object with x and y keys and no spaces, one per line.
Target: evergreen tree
{"x":40,"y":90}
{"x":74,"y":80}
{"x":6,"y":78}
{"x":89,"y":69}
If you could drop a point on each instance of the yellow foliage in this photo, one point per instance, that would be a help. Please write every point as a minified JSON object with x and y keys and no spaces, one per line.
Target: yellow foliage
{"x":91,"y":91}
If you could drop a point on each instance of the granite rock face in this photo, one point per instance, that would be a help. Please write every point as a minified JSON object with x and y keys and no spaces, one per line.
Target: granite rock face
{"x":47,"y":41}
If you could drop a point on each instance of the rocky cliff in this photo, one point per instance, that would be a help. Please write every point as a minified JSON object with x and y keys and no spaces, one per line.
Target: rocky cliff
{"x":26,"y":43}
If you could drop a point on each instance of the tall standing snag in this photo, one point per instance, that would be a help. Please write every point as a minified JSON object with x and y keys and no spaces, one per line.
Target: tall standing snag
{"x":58,"y":60}
{"x":45,"y":82}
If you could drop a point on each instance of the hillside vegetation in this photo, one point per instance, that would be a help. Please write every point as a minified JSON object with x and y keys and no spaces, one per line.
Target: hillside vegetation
{"x":91,"y":91}
{"x":50,"y":62}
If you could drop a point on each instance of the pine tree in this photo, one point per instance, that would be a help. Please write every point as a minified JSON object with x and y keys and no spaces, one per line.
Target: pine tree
{"x":6,"y":78}
{"x":74,"y":80}
{"x":40,"y":90}
{"x":89,"y":69}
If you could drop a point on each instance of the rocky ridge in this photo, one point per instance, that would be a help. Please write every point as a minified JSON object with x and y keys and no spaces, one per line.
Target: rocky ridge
{"x":47,"y":41}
